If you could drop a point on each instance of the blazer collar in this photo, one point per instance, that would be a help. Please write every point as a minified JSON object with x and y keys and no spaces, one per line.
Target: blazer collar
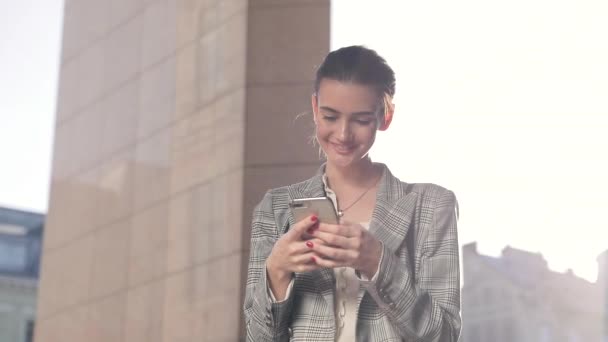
{"x":389,"y":186}
{"x":394,"y":210}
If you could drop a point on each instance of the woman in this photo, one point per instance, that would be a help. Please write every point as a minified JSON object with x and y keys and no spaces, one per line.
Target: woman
{"x":389,"y":271}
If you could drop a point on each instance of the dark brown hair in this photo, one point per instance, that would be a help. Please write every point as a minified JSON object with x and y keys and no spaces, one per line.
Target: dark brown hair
{"x":360,"y":65}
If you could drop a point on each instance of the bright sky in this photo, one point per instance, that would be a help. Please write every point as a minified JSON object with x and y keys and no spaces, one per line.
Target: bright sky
{"x":506,"y":104}
{"x":502,"y":102}
{"x":29,"y":62}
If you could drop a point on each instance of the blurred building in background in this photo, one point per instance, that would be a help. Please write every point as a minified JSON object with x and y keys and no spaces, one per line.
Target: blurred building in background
{"x":20,"y":245}
{"x":173,"y":119}
{"x":516,"y":297}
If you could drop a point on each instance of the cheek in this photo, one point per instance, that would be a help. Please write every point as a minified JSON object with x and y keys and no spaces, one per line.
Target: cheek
{"x":322,"y":130}
{"x":367,"y":134}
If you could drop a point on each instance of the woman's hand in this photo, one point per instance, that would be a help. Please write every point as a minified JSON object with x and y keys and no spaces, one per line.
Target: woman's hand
{"x":346,"y":245}
{"x":290,"y":254}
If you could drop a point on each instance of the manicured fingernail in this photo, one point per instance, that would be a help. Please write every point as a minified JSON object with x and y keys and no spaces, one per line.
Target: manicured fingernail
{"x":313,"y":259}
{"x":309,"y":244}
{"x":314,"y":218}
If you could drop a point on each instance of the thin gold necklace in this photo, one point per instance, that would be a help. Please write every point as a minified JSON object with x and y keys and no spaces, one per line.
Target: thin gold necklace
{"x":341,"y":211}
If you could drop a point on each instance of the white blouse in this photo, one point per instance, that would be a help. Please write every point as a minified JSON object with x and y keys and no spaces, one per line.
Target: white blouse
{"x":348,"y":291}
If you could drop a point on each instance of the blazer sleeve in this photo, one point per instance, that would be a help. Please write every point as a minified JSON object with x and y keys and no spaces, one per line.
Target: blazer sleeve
{"x":265,"y":319}
{"x":425,"y":309}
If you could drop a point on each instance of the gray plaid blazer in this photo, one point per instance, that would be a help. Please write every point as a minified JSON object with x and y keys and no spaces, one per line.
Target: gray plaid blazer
{"x":416,"y":296}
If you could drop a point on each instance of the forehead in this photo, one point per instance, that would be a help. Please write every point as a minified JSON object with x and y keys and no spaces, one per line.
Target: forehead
{"x":347,"y":97}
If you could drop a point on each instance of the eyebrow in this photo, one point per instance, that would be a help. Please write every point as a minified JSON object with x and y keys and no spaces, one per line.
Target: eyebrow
{"x":329,"y":109}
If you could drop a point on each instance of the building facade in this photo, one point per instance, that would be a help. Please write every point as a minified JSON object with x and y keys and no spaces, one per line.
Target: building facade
{"x":20,"y":246}
{"x":516,"y":297}
{"x":174,"y":117}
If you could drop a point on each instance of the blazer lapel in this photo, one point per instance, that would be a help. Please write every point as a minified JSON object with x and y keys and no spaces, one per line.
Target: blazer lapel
{"x":394,"y":211}
{"x":311,"y":188}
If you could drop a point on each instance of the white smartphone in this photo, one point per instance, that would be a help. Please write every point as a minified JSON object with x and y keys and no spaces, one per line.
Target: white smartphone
{"x":323,"y":207}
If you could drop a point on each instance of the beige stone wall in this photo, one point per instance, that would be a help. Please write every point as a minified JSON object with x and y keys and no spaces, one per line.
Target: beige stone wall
{"x":173,"y":118}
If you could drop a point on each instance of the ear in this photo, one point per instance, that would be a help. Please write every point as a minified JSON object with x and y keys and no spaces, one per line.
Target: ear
{"x":315,"y":106}
{"x":388,"y":118}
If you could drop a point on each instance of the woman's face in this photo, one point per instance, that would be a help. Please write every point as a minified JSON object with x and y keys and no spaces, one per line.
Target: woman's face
{"x":345,"y":116}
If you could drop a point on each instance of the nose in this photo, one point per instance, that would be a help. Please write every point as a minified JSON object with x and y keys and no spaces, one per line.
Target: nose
{"x":345,"y":131}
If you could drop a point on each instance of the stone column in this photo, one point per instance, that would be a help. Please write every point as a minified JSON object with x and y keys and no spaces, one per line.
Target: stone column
{"x":173,"y":118}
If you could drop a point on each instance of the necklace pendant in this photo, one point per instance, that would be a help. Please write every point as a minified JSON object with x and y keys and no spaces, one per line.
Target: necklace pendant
{"x":340,"y":213}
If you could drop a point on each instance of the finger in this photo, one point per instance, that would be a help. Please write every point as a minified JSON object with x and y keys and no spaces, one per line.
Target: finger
{"x":336,"y":254}
{"x":338,"y":229}
{"x":327,"y":263}
{"x":302,"y":226}
{"x":333,"y":239}
{"x":309,"y":232}
{"x":301,"y":247}
{"x":304,"y":258}
{"x":305,"y":263}
{"x":306,"y":236}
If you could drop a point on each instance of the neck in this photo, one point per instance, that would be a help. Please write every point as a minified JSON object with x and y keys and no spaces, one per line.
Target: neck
{"x":357,"y":175}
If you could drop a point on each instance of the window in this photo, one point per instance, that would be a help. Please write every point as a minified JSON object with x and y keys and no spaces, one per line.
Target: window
{"x":29,"y":331}
{"x":13,"y":254}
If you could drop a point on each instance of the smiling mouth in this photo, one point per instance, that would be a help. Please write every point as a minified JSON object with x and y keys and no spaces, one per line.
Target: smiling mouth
{"x":342,"y":149}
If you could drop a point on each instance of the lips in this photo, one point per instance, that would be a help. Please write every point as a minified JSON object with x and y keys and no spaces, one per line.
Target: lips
{"x":342,"y":149}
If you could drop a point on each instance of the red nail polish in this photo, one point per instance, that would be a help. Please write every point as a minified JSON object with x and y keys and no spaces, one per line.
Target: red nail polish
{"x":314,"y":218}
{"x":309,"y":244}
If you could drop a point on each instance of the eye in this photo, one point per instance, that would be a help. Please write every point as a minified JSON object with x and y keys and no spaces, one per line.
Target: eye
{"x":364,"y":122}
{"x":329,"y":118}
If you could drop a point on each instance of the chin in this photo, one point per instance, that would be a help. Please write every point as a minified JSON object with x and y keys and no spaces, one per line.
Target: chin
{"x":343,"y":160}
